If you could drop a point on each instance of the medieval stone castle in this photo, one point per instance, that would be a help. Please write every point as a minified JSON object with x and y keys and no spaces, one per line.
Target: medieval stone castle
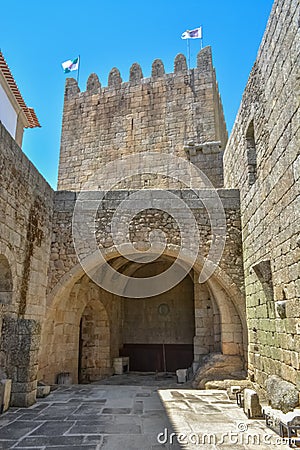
{"x":59,"y":318}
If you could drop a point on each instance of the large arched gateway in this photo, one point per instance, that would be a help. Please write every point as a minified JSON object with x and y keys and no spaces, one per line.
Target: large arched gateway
{"x":86,"y":327}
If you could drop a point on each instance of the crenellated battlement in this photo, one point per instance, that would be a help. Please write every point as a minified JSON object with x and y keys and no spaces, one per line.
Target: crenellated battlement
{"x":158,"y":113}
{"x":115,"y":81}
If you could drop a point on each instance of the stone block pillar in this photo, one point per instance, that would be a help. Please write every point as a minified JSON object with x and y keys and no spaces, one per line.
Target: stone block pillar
{"x":204,"y":322}
{"x":20,"y":345}
{"x":5,"y":392}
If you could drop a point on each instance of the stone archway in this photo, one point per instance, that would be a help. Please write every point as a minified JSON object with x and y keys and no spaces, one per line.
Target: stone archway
{"x":85,"y":304}
{"x":94,"y":343}
{"x":219,"y":309}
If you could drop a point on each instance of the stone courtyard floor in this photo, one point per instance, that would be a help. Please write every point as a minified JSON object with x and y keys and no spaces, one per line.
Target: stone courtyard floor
{"x":110,"y":416}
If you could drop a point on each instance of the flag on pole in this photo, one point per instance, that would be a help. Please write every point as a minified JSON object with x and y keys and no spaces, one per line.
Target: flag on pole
{"x":69,"y":65}
{"x":192,"y":34}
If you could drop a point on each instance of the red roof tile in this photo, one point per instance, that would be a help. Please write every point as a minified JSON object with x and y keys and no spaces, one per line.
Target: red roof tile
{"x":32,"y":120}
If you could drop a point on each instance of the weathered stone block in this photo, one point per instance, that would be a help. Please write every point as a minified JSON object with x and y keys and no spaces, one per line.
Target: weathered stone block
{"x":5,"y":394}
{"x":216,"y":366}
{"x":282,"y":394}
{"x":251,"y":404}
{"x":42,"y":391}
{"x":20,"y":344}
{"x":23,"y":399}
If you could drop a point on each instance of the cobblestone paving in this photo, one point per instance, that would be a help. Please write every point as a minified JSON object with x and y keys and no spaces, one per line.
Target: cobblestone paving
{"x":112,"y":417}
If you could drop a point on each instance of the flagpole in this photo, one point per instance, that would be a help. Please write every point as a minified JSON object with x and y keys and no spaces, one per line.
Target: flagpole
{"x":78,"y":69}
{"x":201,"y":40}
{"x":189,"y":53}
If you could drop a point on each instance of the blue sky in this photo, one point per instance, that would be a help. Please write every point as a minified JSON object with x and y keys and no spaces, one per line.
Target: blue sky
{"x":35,"y":37}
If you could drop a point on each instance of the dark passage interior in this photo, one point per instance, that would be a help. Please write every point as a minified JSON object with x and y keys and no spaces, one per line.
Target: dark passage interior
{"x":158,"y":332}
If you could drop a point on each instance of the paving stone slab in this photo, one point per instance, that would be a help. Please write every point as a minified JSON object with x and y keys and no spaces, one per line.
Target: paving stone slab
{"x":4,"y":445}
{"x":122,"y":442}
{"x":40,"y":441}
{"x":128,"y":420}
{"x":52,"y":428}
{"x":95,"y":439}
{"x":88,"y":409}
{"x":56,"y":414}
{"x":116,"y":411}
{"x":16,"y":430}
{"x":30,"y":448}
{"x":138,"y":407}
{"x":75,"y":447}
{"x":31,"y":417}
{"x":104,"y":428}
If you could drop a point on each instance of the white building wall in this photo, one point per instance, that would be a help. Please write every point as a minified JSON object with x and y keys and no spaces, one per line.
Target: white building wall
{"x":8,"y":115}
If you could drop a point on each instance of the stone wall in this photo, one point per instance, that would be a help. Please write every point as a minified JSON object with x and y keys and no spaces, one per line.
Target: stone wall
{"x":159,"y":114}
{"x":25,"y":235}
{"x":144,"y":323}
{"x":63,"y":257}
{"x":262,"y":160}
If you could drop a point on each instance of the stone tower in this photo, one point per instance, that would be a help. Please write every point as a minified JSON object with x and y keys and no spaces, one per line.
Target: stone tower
{"x":140,"y":136}
{"x":178,"y":113}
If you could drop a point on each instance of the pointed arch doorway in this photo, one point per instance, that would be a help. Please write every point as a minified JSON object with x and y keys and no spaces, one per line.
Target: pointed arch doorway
{"x":94,"y":343}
